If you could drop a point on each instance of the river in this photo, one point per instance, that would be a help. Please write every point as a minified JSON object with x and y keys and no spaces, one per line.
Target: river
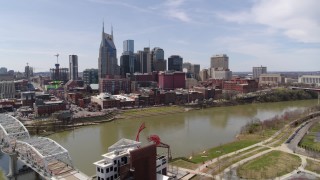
{"x":186,"y":133}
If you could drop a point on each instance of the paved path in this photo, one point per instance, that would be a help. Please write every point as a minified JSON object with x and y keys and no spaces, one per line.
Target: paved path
{"x":283,"y":147}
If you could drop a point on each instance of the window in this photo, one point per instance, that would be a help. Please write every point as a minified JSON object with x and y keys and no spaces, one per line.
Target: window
{"x":98,"y":169}
{"x":115,"y":176}
{"x":102,"y":178}
{"x":98,"y":178}
{"x":111,"y":177}
{"x":107,"y":170}
{"x":108,"y":178}
{"x":115,"y":161}
{"x":101,"y":170}
{"x":115,"y":169}
{"x":111,"y":168}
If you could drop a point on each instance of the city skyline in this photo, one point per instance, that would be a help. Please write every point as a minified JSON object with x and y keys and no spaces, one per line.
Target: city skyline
{"x":276,"y":34}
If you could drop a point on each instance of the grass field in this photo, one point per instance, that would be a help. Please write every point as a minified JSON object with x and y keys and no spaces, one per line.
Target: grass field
{"x":270,"y":165}
{"x":224,"y":163}
{"x":308,"y":141}
{"x":184,"y":164}
{"x":313,"y":166}
{"x":212,"y":153}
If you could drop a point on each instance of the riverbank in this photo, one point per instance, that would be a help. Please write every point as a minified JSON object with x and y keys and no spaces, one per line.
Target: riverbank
{"x":278,"y":127}
{"x":1,"y":175}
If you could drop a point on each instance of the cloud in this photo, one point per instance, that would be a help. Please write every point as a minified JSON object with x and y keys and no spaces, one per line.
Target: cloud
{"x":296,"y":19}
{"x":174,"y":10}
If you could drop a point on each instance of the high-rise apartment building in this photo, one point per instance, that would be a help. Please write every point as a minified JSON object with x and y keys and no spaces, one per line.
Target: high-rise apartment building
{"x":128,"y":46}
{"x":90,"y":76}
{"x":257,"y":71}
{"x":220,"y":62}
{"x":107,"y":61}
{"x":73,"y":67}
{"x":175,"y":63}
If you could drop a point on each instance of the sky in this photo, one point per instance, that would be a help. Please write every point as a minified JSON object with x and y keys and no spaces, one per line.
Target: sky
{"x":283,"y":35}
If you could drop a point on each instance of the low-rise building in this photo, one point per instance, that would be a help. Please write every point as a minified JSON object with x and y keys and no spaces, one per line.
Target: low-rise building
{"x":46,"y":108}
{"x":114,"y":85}
{"x":310,"y":79}
{"x":170,"y":81}
{"x":271,"y":79}
{"x":127,"y":160}
{"x":240,"y":85}
{"x":7,"y":89}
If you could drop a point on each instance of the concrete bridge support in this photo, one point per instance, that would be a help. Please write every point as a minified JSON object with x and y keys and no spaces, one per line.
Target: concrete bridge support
{"x":12,"y":166}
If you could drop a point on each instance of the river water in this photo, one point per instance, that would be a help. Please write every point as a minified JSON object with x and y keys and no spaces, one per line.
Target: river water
{"x":186,"y":133}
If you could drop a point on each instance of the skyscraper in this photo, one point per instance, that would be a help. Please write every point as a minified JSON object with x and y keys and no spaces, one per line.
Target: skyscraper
{"x":28,"y":71}
{"x":144,"y":60}
{"x":128,"y":46}
{"x":175,"y":63}
{"x":107,"y":61}
{"x":73,"y":67}
{"x":158,"y":63}
{"x":220,"y":61}
{"x":220,"y":67}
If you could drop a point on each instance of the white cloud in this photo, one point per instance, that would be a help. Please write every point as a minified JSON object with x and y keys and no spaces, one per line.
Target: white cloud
{"x":174,"y":10}
{"x":296,"y":19}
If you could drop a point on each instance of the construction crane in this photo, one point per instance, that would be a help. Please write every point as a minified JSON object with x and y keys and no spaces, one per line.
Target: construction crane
{"x":155,"y":139}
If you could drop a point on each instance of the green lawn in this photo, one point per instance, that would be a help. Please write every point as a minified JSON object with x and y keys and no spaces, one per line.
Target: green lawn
{"x":313,"y":166}
{"x":184,"y":164}
{"x":308,"y":141}
{"x":223,"y":149}
{"x":270,"y":165}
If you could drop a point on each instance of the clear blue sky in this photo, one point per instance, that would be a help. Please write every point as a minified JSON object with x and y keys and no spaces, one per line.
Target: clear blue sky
{"x":283,"y":35}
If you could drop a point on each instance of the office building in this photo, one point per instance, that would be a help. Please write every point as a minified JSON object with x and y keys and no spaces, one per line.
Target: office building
{"x":127,"y":63}
{"x":90,"y":76}
{"x":128,"y":46}
{"x":73,"y":67}
{"x":143,"y":59}
{"x":175,"y":63}
{"x":220,"y":62}
{"x":186,"y":67}
{"x":256,"y":71}
{"x":107,"y":61}
{"x":158,"y":63}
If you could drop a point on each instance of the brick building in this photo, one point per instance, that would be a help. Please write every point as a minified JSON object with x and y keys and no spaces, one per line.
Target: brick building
{"x":170,"y":81}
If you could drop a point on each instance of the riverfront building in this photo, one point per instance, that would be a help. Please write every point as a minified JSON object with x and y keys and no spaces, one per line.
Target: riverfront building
{"x":127,"y":160}
{"x":170,"y":81}
{"x":310,"y":79}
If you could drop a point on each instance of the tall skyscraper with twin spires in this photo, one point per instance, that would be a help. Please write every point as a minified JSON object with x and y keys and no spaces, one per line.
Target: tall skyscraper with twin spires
{"x":107,"y":61}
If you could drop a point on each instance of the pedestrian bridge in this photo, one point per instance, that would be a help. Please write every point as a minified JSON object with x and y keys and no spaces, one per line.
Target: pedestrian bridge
{"x":45,"y":156}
